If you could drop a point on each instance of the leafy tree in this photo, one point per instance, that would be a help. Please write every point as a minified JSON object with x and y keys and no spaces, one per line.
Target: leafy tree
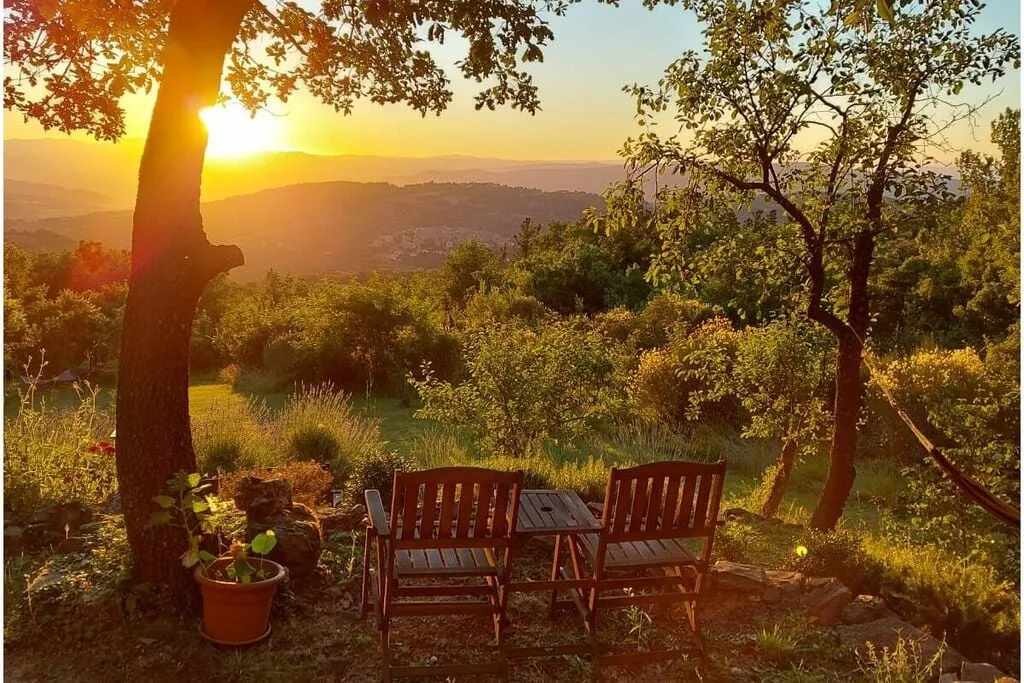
{"x":774,"y":71}
{"x":68,"y":66}
{"x":468,"y":268}
{"x":524,"y":387}
{"x":782,"y":377}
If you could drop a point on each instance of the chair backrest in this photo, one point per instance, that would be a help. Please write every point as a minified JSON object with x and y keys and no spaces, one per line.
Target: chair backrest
{"x":663,"y":500}
{"x":455,"y":507}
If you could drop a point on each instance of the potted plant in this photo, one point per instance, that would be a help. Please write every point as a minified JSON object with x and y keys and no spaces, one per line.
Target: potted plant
{"x":237,"y":589}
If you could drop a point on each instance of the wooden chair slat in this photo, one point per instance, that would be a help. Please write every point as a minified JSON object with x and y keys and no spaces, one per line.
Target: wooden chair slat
{"x":483,"y":510}
{"x":499,"y":524}
{"x":654,"y":501}
{"x":682,"y":520}
{"x":467,"y":491}
{"x":445,"y":521}
{"x":410,"y":493}
{"x":671,"y":506}
{"x":636,"y":514}
{"x":429,"y":509}
{"x":623,"y":503}
{"x":700,"y":509}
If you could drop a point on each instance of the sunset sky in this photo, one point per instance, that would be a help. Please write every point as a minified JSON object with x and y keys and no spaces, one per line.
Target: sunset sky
{"x":586,"y":116}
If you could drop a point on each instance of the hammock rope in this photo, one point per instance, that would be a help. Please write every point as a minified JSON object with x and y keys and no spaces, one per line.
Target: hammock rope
{"x":978,"y":493}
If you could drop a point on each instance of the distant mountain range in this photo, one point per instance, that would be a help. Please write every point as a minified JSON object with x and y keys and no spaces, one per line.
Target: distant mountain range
{"x":111,"y":171}
{"x":334,"y":226}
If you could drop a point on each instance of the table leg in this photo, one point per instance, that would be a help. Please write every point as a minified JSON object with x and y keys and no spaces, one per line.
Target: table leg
{"x":555,"y":564}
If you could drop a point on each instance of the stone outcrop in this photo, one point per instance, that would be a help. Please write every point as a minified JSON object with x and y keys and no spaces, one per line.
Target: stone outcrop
{"x":981,"y":673}
{"x":336,"y":520}
{"x":268,"y":505}
{"x":865,"y":608}
{"x":886,"y":632}
{"x":738,"y":578}
{"x":826,"y":603}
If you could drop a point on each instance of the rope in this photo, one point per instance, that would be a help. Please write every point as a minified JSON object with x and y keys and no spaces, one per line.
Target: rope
{"x":968,"y":485}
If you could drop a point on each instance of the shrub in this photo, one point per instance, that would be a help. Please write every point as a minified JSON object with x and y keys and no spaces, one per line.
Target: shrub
{"x":839,"y":553}
{"x":229,"y":375}
{"x":377,"y":471}
{"x":688,"y":380}
{"x":525,"y":388}
{"x":54,"y":456}
{"x":228,"y":435}
{"x":438,"y":448}
{"x":311,"y":484}
{"x":904,"y":663}
{"x":317,"y":424}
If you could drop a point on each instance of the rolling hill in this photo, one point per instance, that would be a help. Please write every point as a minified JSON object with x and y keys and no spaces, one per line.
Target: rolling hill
{"x":338,"y":226}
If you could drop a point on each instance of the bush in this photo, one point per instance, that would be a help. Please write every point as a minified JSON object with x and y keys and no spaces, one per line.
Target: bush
{"x":229,"y":435}
{"x":688,"y":380}
{"x":377,"y":471}
{"x":839,"y":553}
{"x":317,"y":424}
{"x":54,"y":456}
{"x":230,"y":374}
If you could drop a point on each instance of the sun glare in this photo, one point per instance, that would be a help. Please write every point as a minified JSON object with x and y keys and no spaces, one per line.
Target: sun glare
{"x":235,"y":133}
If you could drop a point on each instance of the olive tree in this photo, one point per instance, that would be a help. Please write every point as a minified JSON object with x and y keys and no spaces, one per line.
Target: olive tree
{"x":782,"y":375}
{"x":824,"y":119}
{"x":69,"y":64}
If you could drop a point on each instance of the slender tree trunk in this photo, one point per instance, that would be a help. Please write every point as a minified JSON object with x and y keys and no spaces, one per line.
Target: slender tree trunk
{"x":786,"y":460}
{"x":849,"y":390}
{"x":171,"y":263}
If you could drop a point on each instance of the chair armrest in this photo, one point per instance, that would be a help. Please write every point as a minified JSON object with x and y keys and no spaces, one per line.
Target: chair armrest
{"x":375,"y":511}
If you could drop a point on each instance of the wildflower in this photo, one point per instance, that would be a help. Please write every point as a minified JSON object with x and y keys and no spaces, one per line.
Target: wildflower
{"x":801,"y":551}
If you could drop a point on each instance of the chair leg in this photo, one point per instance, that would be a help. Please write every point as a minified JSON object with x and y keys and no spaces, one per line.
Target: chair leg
{"x":364,"y":604}
{"x":555,"y":564}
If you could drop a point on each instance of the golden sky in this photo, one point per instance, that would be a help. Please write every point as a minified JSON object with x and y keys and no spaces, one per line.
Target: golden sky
{"x":586,"y":116}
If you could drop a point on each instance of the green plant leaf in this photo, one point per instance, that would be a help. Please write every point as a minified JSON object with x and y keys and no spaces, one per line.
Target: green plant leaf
{"x":189,"y":558}
{"x":264,"y":543}
{"x":193,"y":480}
{"x":207,"y":557}
{"x":200,"y":506}
{"x":164,"y":501}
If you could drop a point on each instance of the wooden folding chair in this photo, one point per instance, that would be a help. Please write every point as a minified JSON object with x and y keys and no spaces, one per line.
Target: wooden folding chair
{"x":444,"y":523}
{"x":650,"y":512}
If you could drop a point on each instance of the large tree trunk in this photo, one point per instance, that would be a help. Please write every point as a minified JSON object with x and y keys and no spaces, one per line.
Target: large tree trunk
{"x":171,"y":263}
{"x":786,"y":460}
{"x":849,"y":390}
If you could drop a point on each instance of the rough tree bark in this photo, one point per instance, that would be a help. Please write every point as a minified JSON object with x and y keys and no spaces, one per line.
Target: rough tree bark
{"x":849,"y":389}
{"x":786,"y":460}
{"x":172,"y":261}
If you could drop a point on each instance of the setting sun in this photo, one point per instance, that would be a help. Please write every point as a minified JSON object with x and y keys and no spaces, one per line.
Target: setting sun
{"x":235,"y":133}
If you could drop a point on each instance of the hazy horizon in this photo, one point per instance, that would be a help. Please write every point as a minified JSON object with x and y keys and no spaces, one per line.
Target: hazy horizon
{"x":585,"y":116}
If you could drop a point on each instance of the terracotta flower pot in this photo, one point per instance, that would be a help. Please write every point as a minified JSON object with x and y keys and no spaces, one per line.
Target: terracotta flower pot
{"x":238,"y":613}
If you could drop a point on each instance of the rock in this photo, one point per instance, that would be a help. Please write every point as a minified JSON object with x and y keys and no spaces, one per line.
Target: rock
{"x":741,"y":515}
{"x":333,"y":520}
{"x":263,"y":497}
{"x":816,"y":582}
{"x":949,"y":678}
{"x":885,"y":632}
{"x":71,"y":544}
{"x":54,"y":523}
{"x":785,"y":582}
{"x":739,"y":578}
{"x":980,"y":672}
{"x":827,"y":602}
{"x":771,"y":594}
{"x":863,"y":609}
{"x":298,"y":538}
{"x":268,"y":505}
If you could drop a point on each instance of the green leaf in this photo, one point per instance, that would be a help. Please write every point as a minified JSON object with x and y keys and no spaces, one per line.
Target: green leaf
{"x":158,"y":518}
{"x":264,"y":543}
{"x":207,"y":557}
{"x":885,"y":10}
{"x":189,"y":558}
{"x":193,"y":480}
{"x":200,"y":506}
{"x":164,"y":501}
